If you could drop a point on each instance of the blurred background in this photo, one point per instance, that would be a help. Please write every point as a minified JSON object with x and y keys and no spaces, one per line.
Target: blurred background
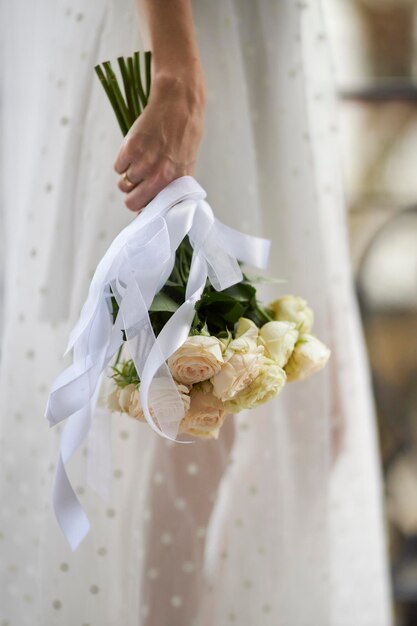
{"x":375,"y":63}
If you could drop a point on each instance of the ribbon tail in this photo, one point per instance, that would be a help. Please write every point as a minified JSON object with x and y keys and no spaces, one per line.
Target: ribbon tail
{"x":174,"y":332}
{"x":136,"y":266}
{"x":68,"y":510}
{"x":142,"y":342}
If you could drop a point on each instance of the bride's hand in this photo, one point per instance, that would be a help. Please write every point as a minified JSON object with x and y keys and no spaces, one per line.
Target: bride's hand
{"x":163,"y":142}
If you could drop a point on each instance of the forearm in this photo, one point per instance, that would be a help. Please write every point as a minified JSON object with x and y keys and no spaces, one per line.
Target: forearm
{"x":163,"y":142}
{"x":168,"y":29}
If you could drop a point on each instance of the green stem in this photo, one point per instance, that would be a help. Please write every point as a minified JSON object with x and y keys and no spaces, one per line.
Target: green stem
{"x":263,"y":313}
{"x":134,"y":92}
{"x":138,"y":80}
{"x":127,"y":87}
{"x":118,"y":355}
{"x":111,"y":77}
{"x":112,"y":99}
{"x":148,"y":72}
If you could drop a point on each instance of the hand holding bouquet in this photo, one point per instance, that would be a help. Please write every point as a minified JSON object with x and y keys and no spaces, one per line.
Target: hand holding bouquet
{"x":238,"y":354}
{"x":170,"y":302}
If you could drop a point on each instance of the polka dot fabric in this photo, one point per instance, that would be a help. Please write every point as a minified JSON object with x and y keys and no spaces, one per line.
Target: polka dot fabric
{"x":266,"y":525}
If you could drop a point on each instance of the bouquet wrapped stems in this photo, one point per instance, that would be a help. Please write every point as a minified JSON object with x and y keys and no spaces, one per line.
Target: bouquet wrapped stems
{"x":223,"y":350}
{"x":136,"y":77}
{"x":239,"y":353}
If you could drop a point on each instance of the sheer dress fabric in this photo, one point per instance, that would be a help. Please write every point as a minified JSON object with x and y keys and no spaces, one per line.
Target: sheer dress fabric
{"x":266,"y":525}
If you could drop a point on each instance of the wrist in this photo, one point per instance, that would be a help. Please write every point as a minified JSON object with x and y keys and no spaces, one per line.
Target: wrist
{"x":184,"y":81}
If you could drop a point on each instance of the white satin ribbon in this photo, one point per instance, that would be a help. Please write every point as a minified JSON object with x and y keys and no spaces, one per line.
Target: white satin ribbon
{"x":135,"y":267}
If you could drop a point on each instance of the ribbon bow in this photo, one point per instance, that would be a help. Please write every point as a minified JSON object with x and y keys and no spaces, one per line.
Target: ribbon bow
{"x":133,"y":270}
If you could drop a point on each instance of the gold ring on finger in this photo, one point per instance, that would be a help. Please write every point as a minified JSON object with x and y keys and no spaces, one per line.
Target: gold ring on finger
{"x":127,"y":179}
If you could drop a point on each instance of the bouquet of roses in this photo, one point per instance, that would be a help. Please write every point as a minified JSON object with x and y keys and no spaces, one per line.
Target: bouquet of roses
{"x":238,"y":354}
{"x":170,"y":310}
{"x":233,"y":365}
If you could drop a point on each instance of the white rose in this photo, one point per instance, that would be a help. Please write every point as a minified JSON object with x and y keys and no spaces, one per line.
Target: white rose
{"x":135,"y":408}
{"x":242,"y":361}
{"x":267,"y":384}
{"x":246,"y":336}
{"x":205,"y":416}
{"x":237,"y":373}
{"x":162,"y":401}
{"x":125,"y":397}
{"x":279,"y":339}
{"x":199,"y":358}
{"x":293,"y":309}
{"x":310,"y":355}
{"x":112,"y":400}
{"x":245,"y":340}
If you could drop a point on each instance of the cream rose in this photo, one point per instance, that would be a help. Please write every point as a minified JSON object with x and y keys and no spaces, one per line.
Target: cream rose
{"x":126,"y":395}
{"x":135,"y":406}
{"x":206,"y":414}
{"x":236,"y":374}
{"x":279,"y":339}
{"x":310,"y":355}
{"x":242,"y":362}
{"x":246,"y":336}
{"x":112,"y":400}
{"x":245,"y":340}
{"x":269,"y":382}
{"x":163,"y":401}
{"x":199,"y":358}
{"x":126,"y":400}
{"x":293,"y":309}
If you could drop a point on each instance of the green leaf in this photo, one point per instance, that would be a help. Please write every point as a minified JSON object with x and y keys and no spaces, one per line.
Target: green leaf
{"x":241,"y":291}
{"x":175,"y":292}
{"x":267,"y":280}
{"x":159,"y":319}
{"x":210,"y":297}
{"x":125,"y":374}
{"x":162,"y":302}
{"x":114,"y":307}
{"x":219,"y":311}
{"x":205,"y":331}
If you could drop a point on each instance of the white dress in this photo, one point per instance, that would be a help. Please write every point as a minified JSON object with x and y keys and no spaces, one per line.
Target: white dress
{"x":264,"y":526}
